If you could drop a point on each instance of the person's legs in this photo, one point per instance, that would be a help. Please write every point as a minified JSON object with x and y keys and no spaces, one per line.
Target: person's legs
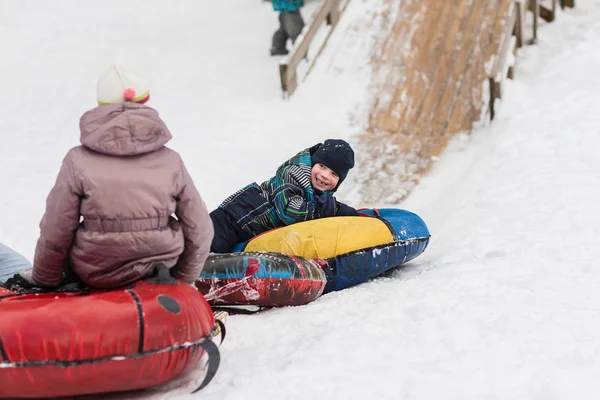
{"x":221,"y":245}
{"x":11,"y":262}
{"x":293,"y":24}
{"x":226,"y":236}
{"x":280,"y":37}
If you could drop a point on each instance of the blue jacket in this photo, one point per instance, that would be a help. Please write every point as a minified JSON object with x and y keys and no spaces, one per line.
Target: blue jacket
{"x":287,"y":5}
{"x":283,"y":200}
{"x":11,"y":262}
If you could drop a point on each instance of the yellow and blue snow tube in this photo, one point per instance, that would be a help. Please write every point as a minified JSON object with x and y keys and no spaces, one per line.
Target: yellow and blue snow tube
{"x":356,"y":249}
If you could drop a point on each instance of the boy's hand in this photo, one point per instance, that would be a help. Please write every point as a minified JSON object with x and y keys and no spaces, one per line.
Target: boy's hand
{"x":327,"y":205}
{"x":346,"y":211}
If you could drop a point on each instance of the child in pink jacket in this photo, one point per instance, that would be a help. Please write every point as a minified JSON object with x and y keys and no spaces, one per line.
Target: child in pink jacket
{"x":110,"y":215}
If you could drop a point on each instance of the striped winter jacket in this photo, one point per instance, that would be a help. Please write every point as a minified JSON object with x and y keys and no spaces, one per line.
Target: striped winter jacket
{"x":287,"y":5}
{"x":283,"y":200}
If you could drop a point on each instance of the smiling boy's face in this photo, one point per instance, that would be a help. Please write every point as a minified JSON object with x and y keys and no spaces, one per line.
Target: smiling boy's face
{"x":323,"y":177}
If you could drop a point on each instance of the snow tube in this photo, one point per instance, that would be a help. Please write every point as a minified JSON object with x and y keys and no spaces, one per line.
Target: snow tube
{"x":260,"y":279}
{"x":93,"y":341}
{"x":356,"y":249}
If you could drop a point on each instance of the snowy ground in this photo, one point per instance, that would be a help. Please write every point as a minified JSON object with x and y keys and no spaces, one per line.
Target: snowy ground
{"x":504,"y":303}
{"x":211,"y":77}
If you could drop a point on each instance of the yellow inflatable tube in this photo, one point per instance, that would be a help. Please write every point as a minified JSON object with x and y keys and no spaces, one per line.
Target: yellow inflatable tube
{"x":323,"y":238}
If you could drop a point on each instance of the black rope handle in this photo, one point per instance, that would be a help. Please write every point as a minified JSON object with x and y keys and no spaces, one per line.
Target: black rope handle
{"x":214,"y":359}
{"x":222,"y":328}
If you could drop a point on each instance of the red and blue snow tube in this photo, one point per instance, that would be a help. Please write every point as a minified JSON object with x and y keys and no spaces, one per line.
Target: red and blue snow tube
{"x":294,"y":265}
{"x":93,"y":341}
{"x":410,"y":238}
{"x":355,"y":249}
{"x":261,"y":279}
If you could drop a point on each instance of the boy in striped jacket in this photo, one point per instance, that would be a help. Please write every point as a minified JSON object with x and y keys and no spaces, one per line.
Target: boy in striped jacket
{"x":301,"y":190}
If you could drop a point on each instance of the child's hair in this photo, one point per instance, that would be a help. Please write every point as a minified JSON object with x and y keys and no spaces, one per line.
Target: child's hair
{"x":337,"y":155}
{"x":120,"y":85}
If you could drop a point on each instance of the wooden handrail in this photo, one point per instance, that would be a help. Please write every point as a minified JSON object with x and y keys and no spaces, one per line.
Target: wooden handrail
{"x":329,"y":11}
{"x":500,"y":68}
{"x":502,"y":65}
{"x":515,"y":25}
{"x":548,"y":14}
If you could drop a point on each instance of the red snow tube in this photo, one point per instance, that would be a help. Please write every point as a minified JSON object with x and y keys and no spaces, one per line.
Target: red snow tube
{"x":75,"y":343}
{"x":261,"y":279}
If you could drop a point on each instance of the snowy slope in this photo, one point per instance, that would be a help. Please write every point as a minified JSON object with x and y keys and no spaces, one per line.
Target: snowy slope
{"x":211,"y":77}
{"x":504,"y":303}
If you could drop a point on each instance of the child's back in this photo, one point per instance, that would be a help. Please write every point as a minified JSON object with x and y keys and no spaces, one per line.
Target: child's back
{"x":126,"y":185}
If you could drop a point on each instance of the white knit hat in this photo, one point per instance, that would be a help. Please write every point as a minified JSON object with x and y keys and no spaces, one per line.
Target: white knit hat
{"x":119,"y":85}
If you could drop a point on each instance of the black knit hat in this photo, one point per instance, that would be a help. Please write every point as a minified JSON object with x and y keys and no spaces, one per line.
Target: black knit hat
{"x":337,"y":155}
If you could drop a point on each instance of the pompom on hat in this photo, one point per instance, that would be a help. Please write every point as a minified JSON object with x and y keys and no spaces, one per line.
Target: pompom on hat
{"x":120,"y":85}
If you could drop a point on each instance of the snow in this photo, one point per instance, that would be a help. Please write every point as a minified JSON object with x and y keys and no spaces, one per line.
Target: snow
{"x":504,"y":304}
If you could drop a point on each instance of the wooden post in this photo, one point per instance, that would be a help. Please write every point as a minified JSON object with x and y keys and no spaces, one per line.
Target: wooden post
{"x":289,"y":81}
{"x":511,"y":70}
{"x":567,"y":3}
{"x":501,"y":67}
{"x":548,"y":14}
{"x":534,"y":6}
{"x":519,"y":28}
{"x":283,"y":77}
{"x":334,"y":13}
{"x":493,"y":96}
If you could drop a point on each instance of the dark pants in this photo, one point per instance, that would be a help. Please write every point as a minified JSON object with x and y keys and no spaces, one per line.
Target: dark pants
{"x":290,"y":26}
{"x":227,"y":233}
